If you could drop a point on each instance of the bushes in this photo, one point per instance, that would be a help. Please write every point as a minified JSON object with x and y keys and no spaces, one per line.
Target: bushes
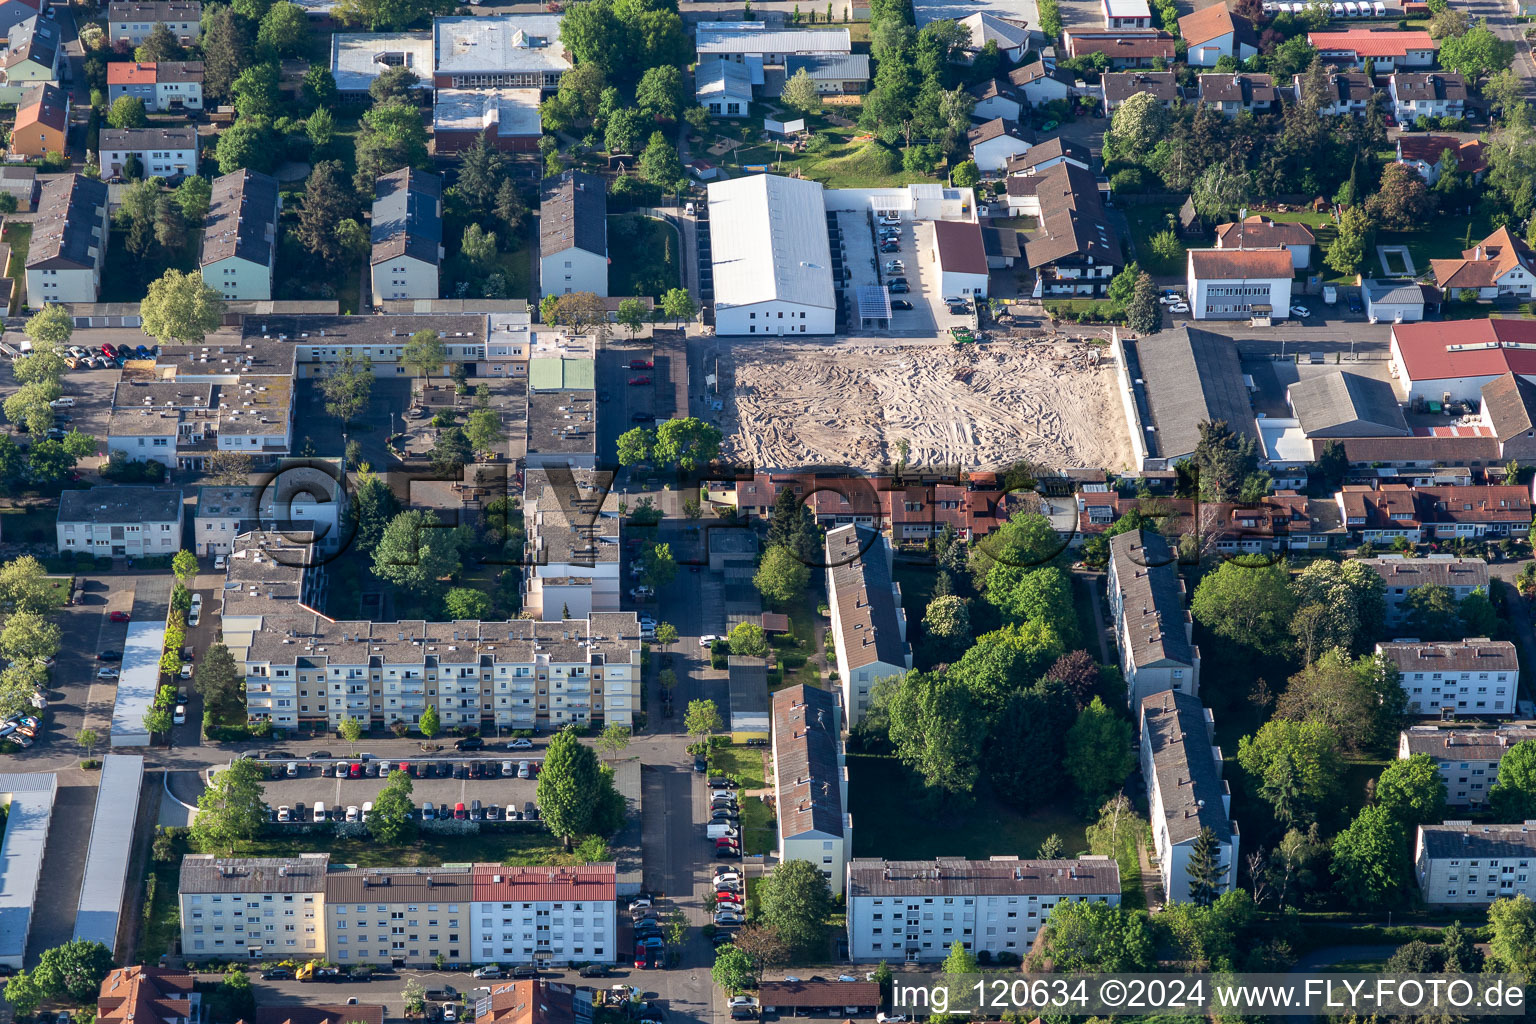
{"x":1086,"y":311}
{"x":1129,"y":180}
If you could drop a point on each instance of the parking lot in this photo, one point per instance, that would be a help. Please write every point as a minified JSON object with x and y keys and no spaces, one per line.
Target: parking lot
{"x":622,"y":405}
{"x":440,"y":787}
{"x":92,"y":392}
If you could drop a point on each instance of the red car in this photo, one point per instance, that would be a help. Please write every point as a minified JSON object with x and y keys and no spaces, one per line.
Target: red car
{"x":109,"y":351}
{"x":356,"y":771}
{"x":642,"y":958}
{"x":639,"y":380}
{"x":724,"y":896}
{"x":727,"y":843}
{"x":119,"y":616}
{"x":459,"y":812}
{"x":640,"y":364}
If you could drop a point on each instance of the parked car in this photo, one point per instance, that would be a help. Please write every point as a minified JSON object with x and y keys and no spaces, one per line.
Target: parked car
{"x":469,"y":743}
{"x":488,"y":971}
{"x":595,"y":971}
{"x":1302,"y":312}
{"x":521,"y":743}
{"x":900,"y":288}
{"x":179,"y":716}
{"x":901,"y":304}
{"x":118,"y":616}
{"x":428,"y":812}
{"x":642,"y":379}
{"x":107,"y":673}
{"x":640,"y":364}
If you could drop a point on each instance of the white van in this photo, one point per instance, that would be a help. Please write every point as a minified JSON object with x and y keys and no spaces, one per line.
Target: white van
{"x":428,"y":812}
{"x":320,"y":814}
{"x":718,"y":830}
{"x":65,"y":402}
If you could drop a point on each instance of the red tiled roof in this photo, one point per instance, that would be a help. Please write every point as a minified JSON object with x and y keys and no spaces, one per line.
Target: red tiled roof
{"x":1206,"y":24}
{"x":144,"y":995}
{"x":529,"y":1002}
{"x":130,"y":73}
{"x":1466,"y":348}
{"x":1245,"y":264}
{"x":496,"y":884}
{"x":1371,"y":43}
{"x":1260,"y":232}
{"x":1483,"y":265}
{"x":1126,"y":45}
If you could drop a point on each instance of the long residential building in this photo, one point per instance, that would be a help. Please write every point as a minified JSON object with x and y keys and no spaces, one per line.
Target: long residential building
{"x":869,"y":627}
{"x":1382,"y":514}
{"x":69,"y":242}
{"x":811,"y":781}
{"x":304,"y":668}
{"x":1467,"y":759}
{"x":915,"y":910}
{"x":772,"y":258}
{"x":1185,"y":791}
{"x":1402,"y":576}
{"x":305,"y":907}
{"x":573,"y":234}
{"x":1459,"y":863}
{"x":240,"y":235}
{"x":1152,"y":629}
{"x":120,"y":521}
{"x":407,"y":235}
{"x":1452,"y":678}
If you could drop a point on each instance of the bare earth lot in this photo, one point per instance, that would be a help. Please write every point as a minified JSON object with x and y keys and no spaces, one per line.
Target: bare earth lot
{"x":842,"y":403}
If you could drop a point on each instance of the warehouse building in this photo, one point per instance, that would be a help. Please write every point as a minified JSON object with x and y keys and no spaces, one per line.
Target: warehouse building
{"x":772,"y":261}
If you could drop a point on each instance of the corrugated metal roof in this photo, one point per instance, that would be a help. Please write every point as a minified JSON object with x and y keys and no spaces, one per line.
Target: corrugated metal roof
{"x":770,"y":242}
{"x":106,"y":859}
{"x":21,"y":857}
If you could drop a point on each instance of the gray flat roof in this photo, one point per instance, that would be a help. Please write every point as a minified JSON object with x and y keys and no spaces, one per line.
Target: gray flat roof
{"x":357,"y":58}
{"x":21,"y":857}
{"x":106,"y":861}
{"x":514,"y":42}
{"x":137,"y":684}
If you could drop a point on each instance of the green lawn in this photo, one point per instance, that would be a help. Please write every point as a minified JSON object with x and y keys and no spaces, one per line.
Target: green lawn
{"x":518,"y":270}
{"x":1147,"y":220}
{"x":162,"y":925}
{"x":743,"y":764}
{"x":887,"y":823}
{"x":513,"y":847}
{"x":851,"y":161}
{"x":759,"y":827}
{"x":126,"y":277}
{"x":1443,"y":236}
{"x":28,"y":524}
{"x":645,"y":256}
{"x":795,"y":649}
{"x":20,"y":238}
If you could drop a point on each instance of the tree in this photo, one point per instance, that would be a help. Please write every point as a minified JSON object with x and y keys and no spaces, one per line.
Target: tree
{"x":44,"y":365}
{"x":666,"y":635}
{"x":320,"y":90}
{"x":483,"y":428}
{"x":320,"y":127}
{"x":396,"y":84}
{"x":733,"y":969}
{"x":1477,"y":52}
{"x":1349,"y":600}
{"x":1478,"y":617}
{"x":351,"y":730}
{"x":73,"y":971}
{"x":1412,"y":791}
{"x":800,"y":93}
{"x":284,"y":30}
{"x":170,"y":225}
{"x":392,"y":136}
{"x":1370,"y":862}
{"x":577,"y":312}
{"x":1514,"y":934}
{"x":935,"y":728}
{"x":1138,"y":125}
{"x":28,"y":636}
{"x":88,"y":738}
{"x":328,"y":200}
{"x":255,"y":91}
{"x":184,"y":566}
{"x":1401,"y":200}
{"x":965,"y":174}
{"x":1099,"y":754}
{"x":613,"y":739}
{"x":702,"y":718}
{"x":575,"y":793}
{"x":159,"y":45}
{"x":424,"y":353}
{"x":688,"y":443}
{"x":373,"y":506}
{"x":482,"y":171}
{"x":233,"y":999}
{"x":180,"y":307}
{"x":795,"y":902}
{"x":29,"y":406}
{"x":393,"y":817}
{"x":219,"y":681}
{"x":1432,"y":612}
{"x":23,"y":993}
{"x":451,"y":452}
{"x":429,"y":724}
{"x":1205,"y":870}
{"x":52,"y":325}
{"x":1088,"y":936}
{"x":1144,"y":314}
{"x":781,"y":576}
{"x":660,"y":568}
{"x":1359,"y":700}
{"x":1296,"y":765}
{"x":631,"y":315}
{"x":347,"y":388}
{"x":230,"y":810}
{"x":246,"y":143}
{"x":1250,"y":605}
{"x":749,"y":640}
{"x":1513,"y":796}
{"x":467,"y":603}
{"x":634,"y":445}
{"x":24,"y":583}
{"x":659,"y":163}
{"x":959,"y":962}
{"x":660,"y":92}
{"x":477,"y":248}
{"x":127,"y":112}
{"x":414,"y":998}
{"x":417,"y":552}
{"x":1347,"y":253}
{"x":509,"y":208}
{"x":677,"y":305}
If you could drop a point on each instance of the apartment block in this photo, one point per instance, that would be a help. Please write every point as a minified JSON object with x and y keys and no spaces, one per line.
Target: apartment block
{"x":1475,"y":676}
{"x":914,"y":911}
{"x":1155,"y":633}
{"x":1185,"y":790}
{"x":522,"y":915}
{"x":1468,"y":759}
{"x":120,"y":521}
{"x":811,"y":775}
{"x":1404,"y":575}
{"x":1458,"y":863}
{"x":267,"y":907}
{"x":869,"y":628}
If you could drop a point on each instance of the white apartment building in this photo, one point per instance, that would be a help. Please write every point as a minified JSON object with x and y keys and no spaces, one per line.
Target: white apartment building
{"x":525,"y":915}
{"x":69,"y":242}
{"x":1185,"y":790}
{"x":915,"y":910}
{"x":772,"y":259}
{"x":398,"y":915}
{"x":169,"y":153}
{"x":1154,"y":632}
{"x":407,"y":235}
{"x":1467,"y":759}
{"x":1475,"y":676}
{"x":573,"y":234}
{"x":301,"y":666}
{"x":869,"y":627}
{"x":573,"y":525}
{"x":268,"y":907}
{"x":1404,"y":575}
{"x":811,"y":778}
{"x":304,"y":503}
{"x":1458,"y":863}
{"x":1240,"y":284}
{"x":120,"y":521}
{"x":132,"y":22}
